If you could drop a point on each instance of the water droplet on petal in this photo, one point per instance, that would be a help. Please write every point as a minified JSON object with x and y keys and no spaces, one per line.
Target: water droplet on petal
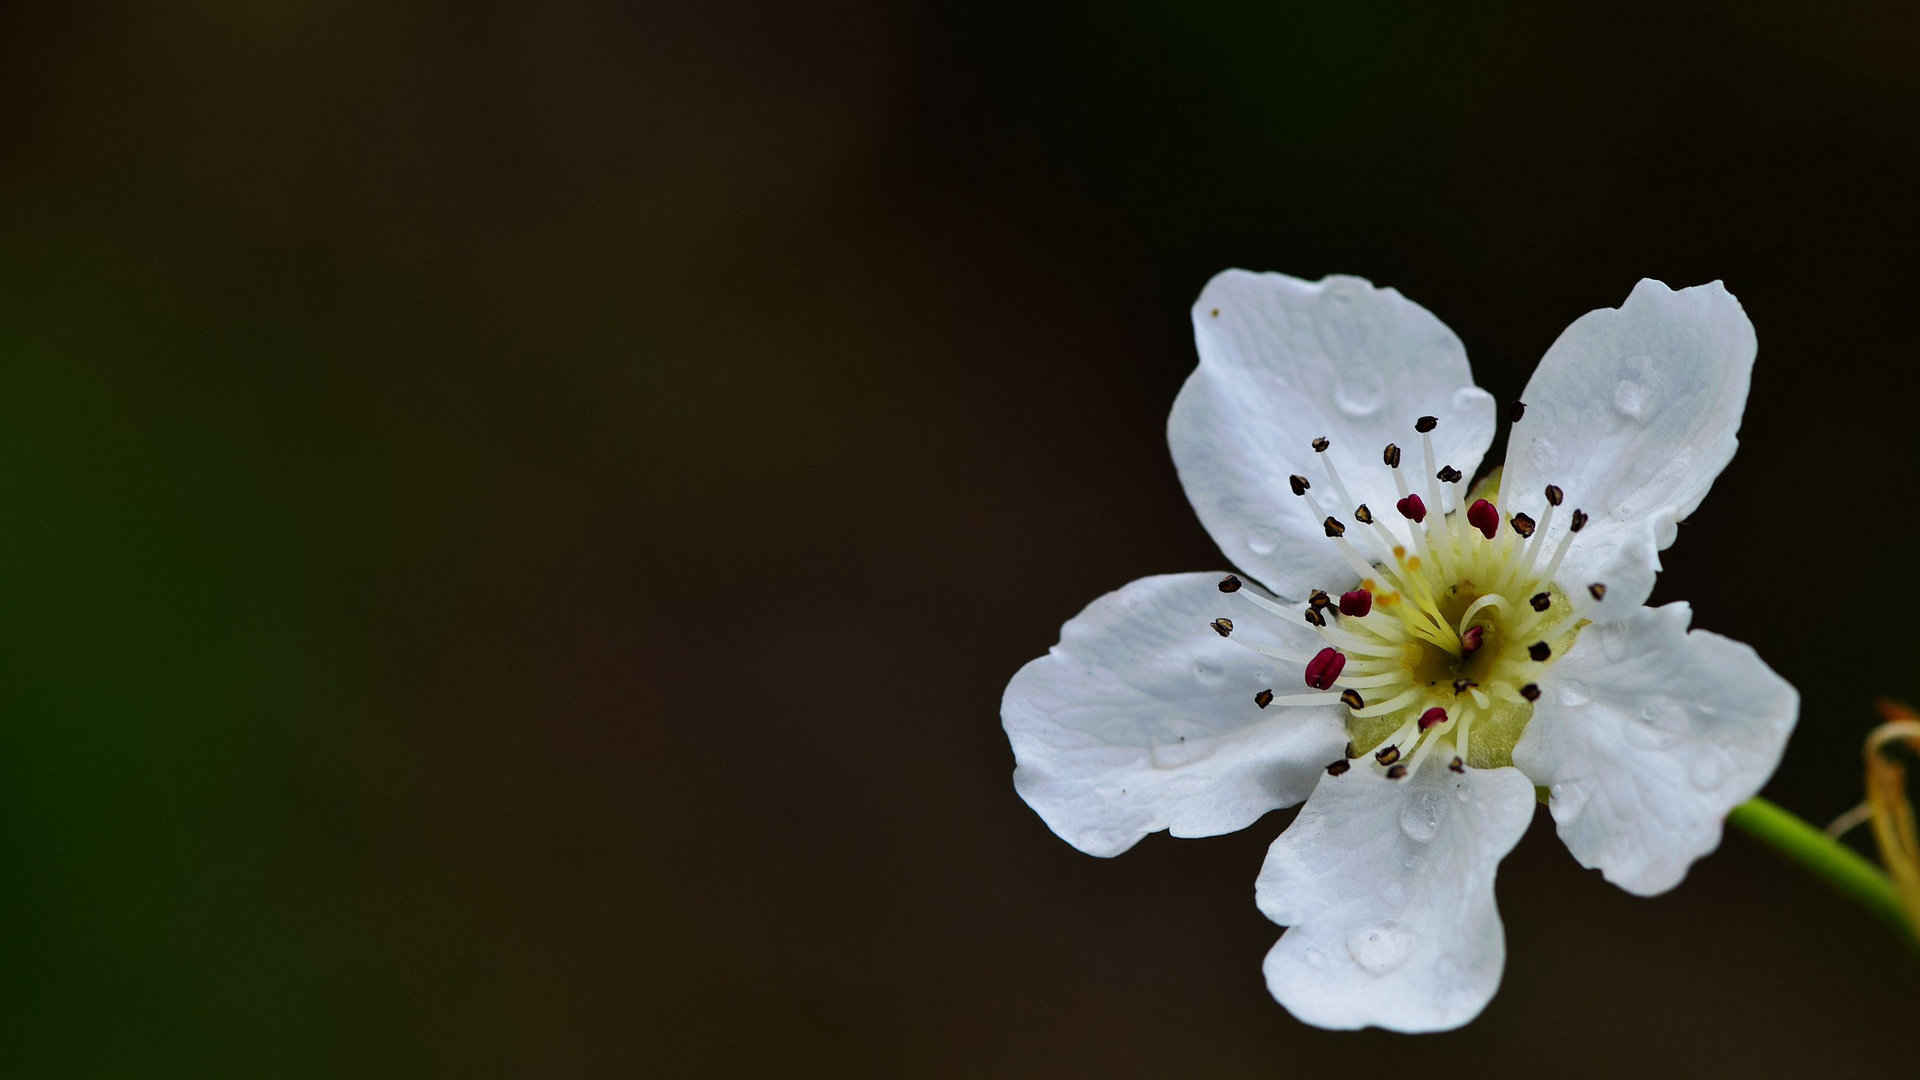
{"x":1359,"y":392}
{"x":1420,"y":817}
{"x":1573,"y":694}
{"x":1630,"y":398}
{"x":1660,"y":724}
{"x":1261,"y":543}
{"x":1380,"y":948}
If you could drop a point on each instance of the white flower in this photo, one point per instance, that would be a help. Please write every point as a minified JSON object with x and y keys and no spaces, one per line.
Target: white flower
{"x":1420,"y":659}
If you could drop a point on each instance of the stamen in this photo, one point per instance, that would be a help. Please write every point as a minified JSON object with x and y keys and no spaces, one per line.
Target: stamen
{"x":1298,"y":483}
{"x":1457,"y":765}
{"x":1432,"y":718}
{"x":1363,"y":515}
{"x":1482,"y":515}
{"x":1314,"y":618}
{"x":1223,"y":627}
{"x":1230,"y":583}
{"x":1392,"y":705}
{"x":1554,"y":495}
{"x":1320,"y":445}
{"x":1539,"y":650}
{"x":1515,"y":411}
{"x":1334,"y":528}
{"x":1540,"y":601}
{"x":1387,"y":755}
{"x":1471,"y":641}
{"x":1356,"y":603}
{"x":1426,"y":424}
{"x":1579,"y":519}
{"x":1475,"y":608}
{"x":1352,"y":699}
{"x":1449,"y":474}
{"x":1531,"y":691}
{"x":1597,"y":590}
{"x":1319,"y":599}
{"x":1325,"y":667}
{"x":1264,"y":698}
{"x":1391,"y":455}
{"x":1522,"y":524}
{"x":1412,"y":509}
{"x":1339,"y":768}
{"x":1398,"y":772}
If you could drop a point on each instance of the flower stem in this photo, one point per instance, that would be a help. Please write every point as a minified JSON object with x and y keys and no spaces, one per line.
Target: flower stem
{"x":1826,"y":857}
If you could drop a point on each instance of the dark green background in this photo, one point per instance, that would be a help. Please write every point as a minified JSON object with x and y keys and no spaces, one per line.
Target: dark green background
{"x":516,"y":519}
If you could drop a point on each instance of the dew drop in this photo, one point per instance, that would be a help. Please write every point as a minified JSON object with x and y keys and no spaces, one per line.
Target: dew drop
{"x":1380,"y":948}
{"x":1633,"y":395}
{"x":1420,"y":817}
{"x":1359,"y":392}
{"x":1261,"y":543}
{"x":1614,"y":640}
{"x":1630,"y":398}
{"x":1659,"y":725}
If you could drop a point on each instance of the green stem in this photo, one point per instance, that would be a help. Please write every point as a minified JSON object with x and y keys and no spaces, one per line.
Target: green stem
{"x":1827,"y":858}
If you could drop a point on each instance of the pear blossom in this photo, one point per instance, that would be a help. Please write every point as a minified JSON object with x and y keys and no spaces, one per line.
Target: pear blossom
{"x":1417,"y":659}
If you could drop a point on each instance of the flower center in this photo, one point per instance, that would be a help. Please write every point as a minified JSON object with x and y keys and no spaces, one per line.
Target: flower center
{"x":1451,"y":620}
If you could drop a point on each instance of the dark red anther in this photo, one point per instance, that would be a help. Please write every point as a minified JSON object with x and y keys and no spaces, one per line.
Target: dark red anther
{"x":1432,"y":718}
{"x":1483,"y":516}
{"x":1473,"y":639}
{"x":1412,"y":509}
{"x":1325,"y":667}
{"x":1356,"y":603}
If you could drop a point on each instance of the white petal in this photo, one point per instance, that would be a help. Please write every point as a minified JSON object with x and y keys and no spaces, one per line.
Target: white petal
{"x":1648,"y":735}
{"x":1387,"y":887}
{"x":1143,"y":718}
{"x":1632,"y":412}
{"x":1284,"y":361}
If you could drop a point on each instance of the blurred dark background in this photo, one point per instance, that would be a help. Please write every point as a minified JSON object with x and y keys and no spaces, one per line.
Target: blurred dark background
{"x":517,"y":518}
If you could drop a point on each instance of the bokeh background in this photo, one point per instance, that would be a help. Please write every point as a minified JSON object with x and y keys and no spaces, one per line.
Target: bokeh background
{"x":516,"y":518}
